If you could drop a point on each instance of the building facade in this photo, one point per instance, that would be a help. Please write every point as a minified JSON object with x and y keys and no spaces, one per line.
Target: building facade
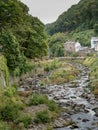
{"x":71,"y":47}
{"x":94,"y":43}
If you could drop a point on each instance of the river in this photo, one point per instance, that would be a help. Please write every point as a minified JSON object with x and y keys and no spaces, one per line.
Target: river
{"x":78,"y":102}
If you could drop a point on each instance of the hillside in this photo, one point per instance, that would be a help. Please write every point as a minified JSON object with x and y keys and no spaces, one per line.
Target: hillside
{"x":22,"y":36}
{"x":79,"y":17}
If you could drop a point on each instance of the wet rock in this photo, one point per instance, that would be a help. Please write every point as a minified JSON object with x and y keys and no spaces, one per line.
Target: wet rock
{"x":86,"y":110}
{"x":85,"y":120}
{"x":58,"y":123}
{"x":79,"y":118}
{"x":74,"y":125}
{"x":62,"y":123}
{"x":66,"y":115}
{"x":95,"y":124}
{"x":68,"y":122}
{"x":77,"y":108}
{"x":96,"y":111}
{"x":84,"y":95}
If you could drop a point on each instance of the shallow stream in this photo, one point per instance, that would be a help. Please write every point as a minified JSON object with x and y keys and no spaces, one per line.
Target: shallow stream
{"x":78,"y":101}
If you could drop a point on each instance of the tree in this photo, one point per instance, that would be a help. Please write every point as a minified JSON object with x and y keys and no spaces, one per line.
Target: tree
{"x":26,"y":38}
{"x":56,"y":45}
{"x":82,"y":16}
{"x":96,"y":29}
{"x":10,"y":49}
{"x":35,"y":44}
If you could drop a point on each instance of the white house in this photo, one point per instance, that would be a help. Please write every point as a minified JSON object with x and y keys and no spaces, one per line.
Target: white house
{"x":94,"y":43}
{"x":77,"y":46}
{"x":71,"y":46}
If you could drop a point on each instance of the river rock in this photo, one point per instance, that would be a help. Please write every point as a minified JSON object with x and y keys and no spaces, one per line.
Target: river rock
{"x":68,"y":122}
{"x":84,"y":95}
{"x":58,"y":123}
{"x":74,"y":125}
{"x":85,"y":120}
{"x":96,"y":111}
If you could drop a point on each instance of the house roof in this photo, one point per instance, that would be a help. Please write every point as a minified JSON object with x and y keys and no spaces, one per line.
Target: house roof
{"x":70,"y":43}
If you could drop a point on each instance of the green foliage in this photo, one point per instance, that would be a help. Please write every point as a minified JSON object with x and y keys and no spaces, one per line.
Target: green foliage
{"x":96,"y":29}
{"x":4,"y":69}
{"x":42,"y":117}
{"x":92,"y":63}
{"x":47,"y":68}
{"x":9,"y":112}
{"x":35,"y":44}
{"x":11,"y":13}
{"x":37,"y":99}
{"x":52,"y":65}
{"x":56,"y":48}
{"x":84,"y":37}
{"x":21,"y":36}
{"x":56,"y":45}
{"x":25,"y":119}
{"x":53,"y":106}
{"x":63,"y":73}
{"x":10,"y":104}
{"x":10,"y":49}
{"x":49,"y":127}
{"x":74,"y":54}
{"x":4,"y":126}
{"x":11,"y":91}
{"x":16,"y":61}
{"x":79,"y":17}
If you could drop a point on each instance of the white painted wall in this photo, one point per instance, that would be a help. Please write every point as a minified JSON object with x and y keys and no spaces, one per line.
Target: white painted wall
{"x":96,"y":47}
{"x":77,"y":46}
{"x":94,"y":42}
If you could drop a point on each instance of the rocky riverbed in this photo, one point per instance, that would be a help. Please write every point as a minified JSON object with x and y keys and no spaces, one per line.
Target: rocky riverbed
{"x":80,"y":107}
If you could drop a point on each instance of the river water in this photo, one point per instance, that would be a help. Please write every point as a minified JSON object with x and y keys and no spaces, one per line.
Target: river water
{"x":78,"y":102}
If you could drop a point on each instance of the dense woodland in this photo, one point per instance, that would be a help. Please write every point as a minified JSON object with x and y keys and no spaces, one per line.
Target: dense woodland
{"x":79,"y":17}
{"x":22,"y":36}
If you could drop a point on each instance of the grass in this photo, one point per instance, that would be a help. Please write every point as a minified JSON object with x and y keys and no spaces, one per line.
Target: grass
{"x":4,"y":126}
{"x":37,"y":99}
{"x":52,"y":65}
{"x":63,"y":74}
{"x":92,"y":63}
{"x":42,"y":117}
{"x":25,"y":119}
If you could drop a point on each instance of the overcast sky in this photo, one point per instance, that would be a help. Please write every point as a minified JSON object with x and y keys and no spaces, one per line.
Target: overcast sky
{"x":48,"y":10}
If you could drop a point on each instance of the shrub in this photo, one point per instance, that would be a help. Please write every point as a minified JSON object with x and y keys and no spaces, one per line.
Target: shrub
{"x":96,"y":28}
{"x":10,"y":91}
{"x":47,"y":68}
{"x":4,"y":126}
{"x":52,"y":65}
{"x":42,"y":117}
{"x":9,"y":112}
{"x":53,"y":106}
{"x":25,"y":119}
{"x":38,"y":99}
